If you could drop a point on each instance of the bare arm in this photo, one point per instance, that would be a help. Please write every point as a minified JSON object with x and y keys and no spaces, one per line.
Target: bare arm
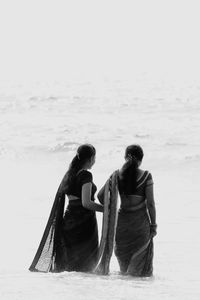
{"x":86,"y":198}
{"x":151,"y":207}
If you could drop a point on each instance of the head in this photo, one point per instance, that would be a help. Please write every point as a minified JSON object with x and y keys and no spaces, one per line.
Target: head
{"x":134,"y":154}
{"x":128,"y":175}
{"x":84,"y":159}
{"x":86,"y":155}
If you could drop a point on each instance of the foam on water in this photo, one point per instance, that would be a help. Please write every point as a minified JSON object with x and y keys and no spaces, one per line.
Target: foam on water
{"x":165,"y":121}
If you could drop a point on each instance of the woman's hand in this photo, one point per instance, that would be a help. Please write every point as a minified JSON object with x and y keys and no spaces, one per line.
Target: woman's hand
{"x":153,"y":230}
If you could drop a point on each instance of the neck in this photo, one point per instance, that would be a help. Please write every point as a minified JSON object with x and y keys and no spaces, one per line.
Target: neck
{"x":85,"y":167}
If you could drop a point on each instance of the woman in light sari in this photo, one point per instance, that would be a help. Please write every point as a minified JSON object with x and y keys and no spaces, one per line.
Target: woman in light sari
{"x":70,"y":239}
{"x":136,"y":225}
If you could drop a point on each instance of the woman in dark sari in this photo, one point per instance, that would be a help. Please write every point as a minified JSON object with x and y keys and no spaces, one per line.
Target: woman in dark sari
{"x":136,"y":224}
{"x":70,"y":240}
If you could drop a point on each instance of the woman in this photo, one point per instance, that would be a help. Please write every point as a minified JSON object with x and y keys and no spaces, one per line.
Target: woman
{"x":136,"y":222}
{"x":136,"y":225}
{"x":70,"y":242}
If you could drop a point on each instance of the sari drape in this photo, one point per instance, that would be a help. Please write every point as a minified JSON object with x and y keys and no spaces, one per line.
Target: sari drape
{"x":110,"y":200}
{"x":45,"y":255}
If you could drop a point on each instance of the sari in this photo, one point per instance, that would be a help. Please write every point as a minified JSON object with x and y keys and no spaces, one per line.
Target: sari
{"x":133,"y":242}
{"x":70,"y":240}
{"x":129,"y":230}
{"x":126,"y":231}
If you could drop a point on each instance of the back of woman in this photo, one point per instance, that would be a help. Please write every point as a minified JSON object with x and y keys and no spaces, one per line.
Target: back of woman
{"x":79,"y":247}
{"x":136,"y":218}
{"x":70,"y":239}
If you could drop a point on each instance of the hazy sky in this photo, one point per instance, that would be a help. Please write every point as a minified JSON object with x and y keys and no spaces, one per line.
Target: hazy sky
{"x":42,"y":39}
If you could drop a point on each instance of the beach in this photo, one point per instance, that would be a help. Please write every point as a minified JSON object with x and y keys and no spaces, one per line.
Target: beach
{"x":42,"y":125}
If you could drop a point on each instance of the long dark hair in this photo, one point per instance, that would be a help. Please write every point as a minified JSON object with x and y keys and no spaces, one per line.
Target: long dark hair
{"x":128,"y":175}
{"x":84,"y":153}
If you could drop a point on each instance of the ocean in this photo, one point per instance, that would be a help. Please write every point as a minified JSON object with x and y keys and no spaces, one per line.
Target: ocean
{"x":41,"y":126}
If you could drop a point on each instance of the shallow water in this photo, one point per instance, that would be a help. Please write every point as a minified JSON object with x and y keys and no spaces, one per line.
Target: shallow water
{"x":41,"y":126}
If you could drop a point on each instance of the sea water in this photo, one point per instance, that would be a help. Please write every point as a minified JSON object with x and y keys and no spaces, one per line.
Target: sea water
{"x":41,"y":126}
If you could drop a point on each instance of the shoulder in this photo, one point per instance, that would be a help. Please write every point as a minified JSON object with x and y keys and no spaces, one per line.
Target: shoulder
{"x":145,"y":177}
{"x":149,"y":178}
{"x":85,"y":176}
